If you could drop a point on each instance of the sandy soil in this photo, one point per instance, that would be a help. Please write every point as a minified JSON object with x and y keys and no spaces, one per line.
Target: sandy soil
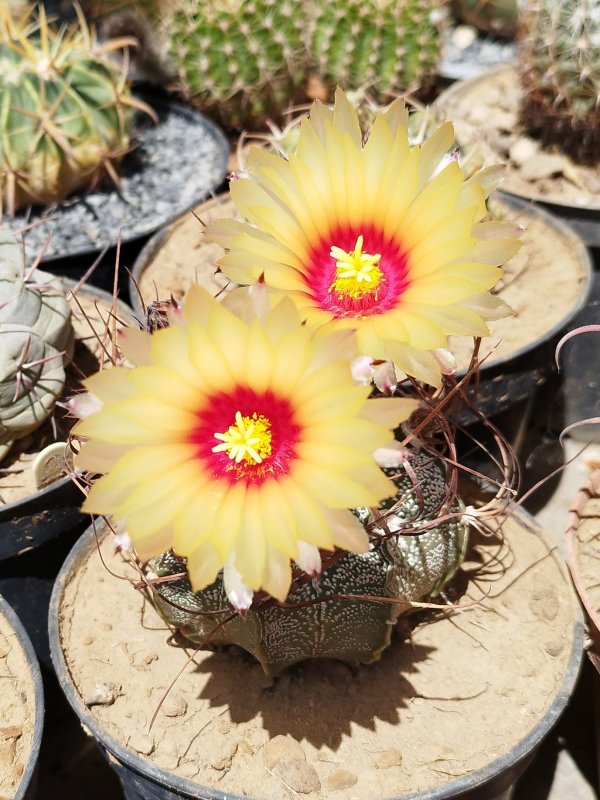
{"x":466,"y":688}
{"x":17,"y":710}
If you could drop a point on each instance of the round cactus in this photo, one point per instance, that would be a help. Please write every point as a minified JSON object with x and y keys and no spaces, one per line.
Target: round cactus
{"x":36,"y":338}
{"x":65,"y":110}
{"x":384,"y":46}
{"x":560,"y":75}
{"x":241,"y":59}
{"x":322,"y":617}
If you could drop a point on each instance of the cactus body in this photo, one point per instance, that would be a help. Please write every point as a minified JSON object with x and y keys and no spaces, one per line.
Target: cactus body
{"x":560,"y":75}
{"x":65,"y":113}
{"x":382,"y":46}
{"x":35,"y":340}
{"x":239,"y":58}
{"x":410,"y":567}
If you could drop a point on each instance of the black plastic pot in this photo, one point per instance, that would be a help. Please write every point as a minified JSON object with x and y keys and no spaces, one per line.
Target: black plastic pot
{"x":143,"y":780}
{"x":27,"y":787}
{"x":196,"y":173}
{"x":583,"y":219}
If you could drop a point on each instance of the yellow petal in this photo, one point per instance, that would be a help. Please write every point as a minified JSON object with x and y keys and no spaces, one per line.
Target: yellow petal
{"x":348,"y":533}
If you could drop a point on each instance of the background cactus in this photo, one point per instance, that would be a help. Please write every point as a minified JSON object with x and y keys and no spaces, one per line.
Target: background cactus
{"x":387,"y":47}
{"x":242,"y":59}
{"x":248,"y":60}
{"x":65,"y":109}
{"x":36,"y":338}
{"x":560,"y":74}
{"x":411,"y":567}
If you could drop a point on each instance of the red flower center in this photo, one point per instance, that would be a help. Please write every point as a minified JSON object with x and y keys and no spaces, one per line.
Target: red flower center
{"x":219,"y":415}
{"x":374,"y":297}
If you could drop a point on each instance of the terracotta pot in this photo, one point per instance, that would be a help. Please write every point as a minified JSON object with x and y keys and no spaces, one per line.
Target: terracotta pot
{"x":21,"y":709}
{"x":393,"y":711}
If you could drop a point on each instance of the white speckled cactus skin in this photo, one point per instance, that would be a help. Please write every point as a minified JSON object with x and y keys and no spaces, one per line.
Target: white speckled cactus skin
{"x":36,"y":338}
{"x":404,"y":567}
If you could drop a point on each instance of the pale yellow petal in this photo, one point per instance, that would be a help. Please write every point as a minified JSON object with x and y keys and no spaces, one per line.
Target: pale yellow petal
{"x":111,"y":384}
{"x":348,"y":533}
{"x":277,"y":577}
{"x":135,"y":345}
{"x":389,"y":411}
{"x":250,"y":547}
{"x":203,"y":565}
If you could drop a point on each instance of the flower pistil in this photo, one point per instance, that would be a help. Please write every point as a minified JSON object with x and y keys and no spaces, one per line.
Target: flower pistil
{"x":358,"y":273}
{"x":248,"y":439}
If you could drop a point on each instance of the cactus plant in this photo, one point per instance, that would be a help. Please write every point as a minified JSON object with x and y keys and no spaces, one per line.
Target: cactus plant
{"x":385,"y":46}
{"x":36,"y":338}
{"x":316,"y":620}
{"x":241,"y":59}
{"x":560,"y":75}
{"x":66,"y":110}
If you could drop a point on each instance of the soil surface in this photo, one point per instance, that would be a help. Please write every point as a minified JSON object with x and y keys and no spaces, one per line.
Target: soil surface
{"x":466,"y":689}
{"x":550,"y":262}
{"x":17,"y":710}
{"x":485,"y":113}
{"x":90,"y":319}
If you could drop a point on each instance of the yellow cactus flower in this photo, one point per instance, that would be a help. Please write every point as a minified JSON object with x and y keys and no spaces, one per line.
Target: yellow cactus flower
{"x":381,"y":237}
{"x":239,"y":444}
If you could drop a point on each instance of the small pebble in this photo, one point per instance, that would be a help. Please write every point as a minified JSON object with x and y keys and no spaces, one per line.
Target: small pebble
{"x":299,"y":775}
{"x":175,"y":705}
{"x":542,"y":165}
{"x":224,"y":758}
{"x":142,"y":743}
{"x":102,"y":694}
{"x":522,"y":150}
{"x":555,"y":647}
{"x":387,"y":759}
{"x":142,"y":660}
{"x":340,"y":779}
{"x":282,"y":747}
{"x":463,"y":36}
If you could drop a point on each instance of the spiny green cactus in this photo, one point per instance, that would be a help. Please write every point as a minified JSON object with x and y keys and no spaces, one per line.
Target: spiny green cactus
{"x":388,"y":47}
{"x":560,"y":74}
{"x":65,"y":109}
{"x":239,"y":58}
{"x":406,"y":567}
{"x":36,"y":338}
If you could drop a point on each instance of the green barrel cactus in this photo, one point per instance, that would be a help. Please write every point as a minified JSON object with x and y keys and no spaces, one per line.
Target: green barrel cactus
{"x":239,"y":59}
{"x":324,"y":617}
{"x":36,"y":338}
{"x":65,"y":110}
{"x":386,"y":47}
{"x":559,"y":64}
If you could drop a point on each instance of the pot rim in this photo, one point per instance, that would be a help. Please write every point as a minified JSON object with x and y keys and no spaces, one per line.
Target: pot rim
{"x":24,"y":641}
{"x":161,"y":102}
{"x":590,"y":210}
{"x":507,"y":763}
{"x":580,"y":254}
{"x":589,"y":491}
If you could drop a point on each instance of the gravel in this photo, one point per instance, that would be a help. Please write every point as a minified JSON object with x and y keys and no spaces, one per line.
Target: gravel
{"x":467,"y":53}
{"x":173,"y":166}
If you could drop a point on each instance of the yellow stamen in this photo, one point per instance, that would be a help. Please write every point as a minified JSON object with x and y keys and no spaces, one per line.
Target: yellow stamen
{"x":357,"y":272}
{"x":248,"y":439}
